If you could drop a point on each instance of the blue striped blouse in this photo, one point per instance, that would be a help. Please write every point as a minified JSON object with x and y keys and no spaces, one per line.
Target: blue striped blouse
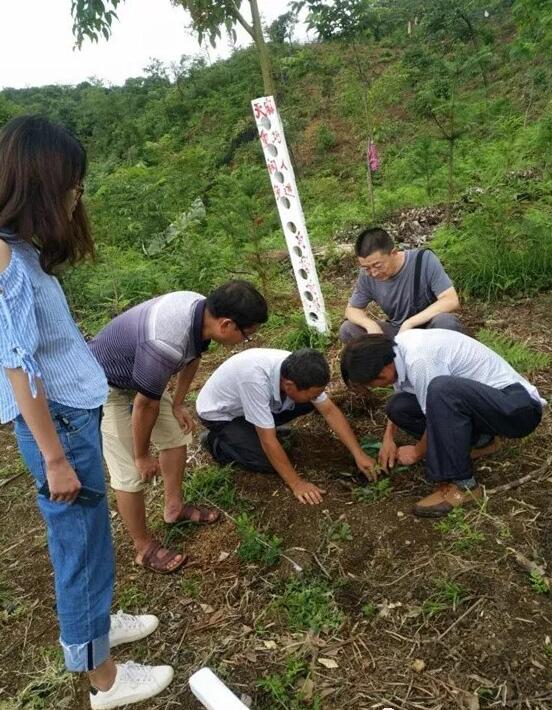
{"x":39,"y":335}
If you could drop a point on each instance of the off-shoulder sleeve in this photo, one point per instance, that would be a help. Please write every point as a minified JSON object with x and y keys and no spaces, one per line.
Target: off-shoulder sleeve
{"x":18,"y":327}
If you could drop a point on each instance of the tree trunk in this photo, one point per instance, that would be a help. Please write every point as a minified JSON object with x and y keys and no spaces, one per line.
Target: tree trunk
{"x":264,"y":56}
{"x":451,"y":141}
{"x":370,"y":188}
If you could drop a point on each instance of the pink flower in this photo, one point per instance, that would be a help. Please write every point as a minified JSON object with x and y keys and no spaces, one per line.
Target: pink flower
{"x":372,"y":157}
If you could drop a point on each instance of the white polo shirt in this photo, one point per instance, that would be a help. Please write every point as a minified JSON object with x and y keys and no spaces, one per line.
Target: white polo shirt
{"x":247,"y":385}
{"x":422,"y":355}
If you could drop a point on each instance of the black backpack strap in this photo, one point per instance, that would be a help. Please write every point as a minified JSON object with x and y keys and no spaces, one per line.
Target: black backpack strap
{"x":417,"y":279}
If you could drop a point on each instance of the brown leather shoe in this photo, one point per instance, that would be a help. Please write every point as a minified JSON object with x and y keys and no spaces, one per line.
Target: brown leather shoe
{"x":447,"y":497}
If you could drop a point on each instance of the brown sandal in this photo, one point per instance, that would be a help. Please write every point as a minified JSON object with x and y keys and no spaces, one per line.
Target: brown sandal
{"x":151,"y":560}
{"x":196,"y":514}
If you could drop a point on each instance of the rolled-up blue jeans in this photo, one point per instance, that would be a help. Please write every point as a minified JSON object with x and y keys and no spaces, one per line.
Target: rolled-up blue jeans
{"x":79,"y":537}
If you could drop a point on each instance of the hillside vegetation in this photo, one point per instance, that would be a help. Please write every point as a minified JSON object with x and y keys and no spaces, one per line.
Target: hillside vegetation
{"x":179,"y":194}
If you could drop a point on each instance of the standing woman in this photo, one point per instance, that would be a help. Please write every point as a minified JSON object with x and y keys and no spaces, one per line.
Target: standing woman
{"x":53,"y":389}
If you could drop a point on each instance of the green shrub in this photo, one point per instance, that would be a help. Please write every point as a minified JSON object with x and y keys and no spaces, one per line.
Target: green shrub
{"x":310,"y":606}
{"x":521,"y":358}
{"x":325,"y":139}
{"x":210,"y":484}
{"x":256,"y":546}
{"x":501,"y":248}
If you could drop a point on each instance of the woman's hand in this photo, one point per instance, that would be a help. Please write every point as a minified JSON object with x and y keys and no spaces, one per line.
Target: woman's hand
{"x":63,"y":482}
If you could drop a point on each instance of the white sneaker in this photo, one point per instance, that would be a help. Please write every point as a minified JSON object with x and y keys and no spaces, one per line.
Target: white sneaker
{"x":127,"y":627}
{"x":133,"y":683}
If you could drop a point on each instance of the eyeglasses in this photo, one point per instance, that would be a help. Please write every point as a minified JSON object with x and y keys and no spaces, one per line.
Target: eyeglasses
{"x":247,"y":338}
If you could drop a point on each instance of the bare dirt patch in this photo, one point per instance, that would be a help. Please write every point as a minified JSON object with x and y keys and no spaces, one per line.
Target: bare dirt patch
{"x":428,"y":617}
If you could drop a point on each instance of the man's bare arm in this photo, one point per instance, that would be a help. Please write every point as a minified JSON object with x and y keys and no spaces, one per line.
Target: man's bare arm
{"x":303,"y":490}
{"x":447,"y":302}
{"x":359,"y":317}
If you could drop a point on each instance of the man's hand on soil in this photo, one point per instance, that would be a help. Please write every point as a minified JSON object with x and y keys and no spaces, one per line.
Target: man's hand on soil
{"x":306,"y":492}
{"x":368,"y":466}
{"x":388,"y":454}
{"x":147,"y":467}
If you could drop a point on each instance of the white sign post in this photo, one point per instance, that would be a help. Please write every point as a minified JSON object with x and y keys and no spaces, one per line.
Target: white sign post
{"x":282,"y":178}
{"x":212,"y":693}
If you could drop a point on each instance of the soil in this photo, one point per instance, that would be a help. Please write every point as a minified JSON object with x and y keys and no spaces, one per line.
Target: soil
{"x":488,"y":648}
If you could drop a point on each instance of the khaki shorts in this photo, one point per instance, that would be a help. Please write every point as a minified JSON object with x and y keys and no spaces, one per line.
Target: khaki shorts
{"x":117,"y":437}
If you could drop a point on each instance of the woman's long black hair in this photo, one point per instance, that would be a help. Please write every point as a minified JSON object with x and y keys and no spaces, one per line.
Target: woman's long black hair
{"x":40,"y":162}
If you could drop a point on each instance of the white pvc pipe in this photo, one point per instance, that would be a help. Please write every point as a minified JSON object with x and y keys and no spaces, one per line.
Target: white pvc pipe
{"x":282,"y":177}
{"x":212,"y":693}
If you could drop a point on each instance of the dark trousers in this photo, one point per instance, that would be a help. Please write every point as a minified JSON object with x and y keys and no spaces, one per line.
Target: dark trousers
{"x":237,"y":441}
{"x":448,"y":321}
{"x":458,"y":412}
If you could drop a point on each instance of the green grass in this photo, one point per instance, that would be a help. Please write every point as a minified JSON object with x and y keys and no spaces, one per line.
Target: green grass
{"x":338,"y":530}
{"x":11,"y":608}
{"x":369,"y":610}
{"x":132,"y":598}
{"x":256,"y":546}
{"x":284,"y":688}
{"x":520,"y":356}
{"x":50,"y":687}
{"x":211,"y":484}
{"x":15,"y":467}
{"x":309,"y":605}
{"x":303,"y":336}
{"x":191,"y":586}
{"x":447,"y":595}
{"x":539,"y":584}
{"x":373,"y":491}
{"x":460,"y":533}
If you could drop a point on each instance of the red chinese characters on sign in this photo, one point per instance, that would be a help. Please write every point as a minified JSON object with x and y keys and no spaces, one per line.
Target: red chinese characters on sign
{"x":263,"y":110}
{"x":276,"y":137}
{"x":272,"y":166}
{"x":263,"y":136}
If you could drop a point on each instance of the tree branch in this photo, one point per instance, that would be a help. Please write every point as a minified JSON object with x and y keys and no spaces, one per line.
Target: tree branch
{"x":241,"y":19}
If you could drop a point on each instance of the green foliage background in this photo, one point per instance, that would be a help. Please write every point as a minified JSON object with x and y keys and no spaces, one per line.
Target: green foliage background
{"x":161,"y":141}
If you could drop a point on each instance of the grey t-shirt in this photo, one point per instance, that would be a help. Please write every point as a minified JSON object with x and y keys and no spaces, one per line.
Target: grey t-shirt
{"x":247,"y":385}
{"x":395,"y":295}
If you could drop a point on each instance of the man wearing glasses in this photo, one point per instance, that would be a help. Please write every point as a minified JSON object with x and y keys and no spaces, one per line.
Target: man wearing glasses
{"x":411,"y":287}
{"x":140,"y":351}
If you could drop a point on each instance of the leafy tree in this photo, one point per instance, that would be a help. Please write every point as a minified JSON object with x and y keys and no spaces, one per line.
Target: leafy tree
{"x":534,"y":19}
{"x":93,"y":18}
{"x":438,"y":83}
{"x":281,"y":30}
{"x":347,"y":18}
{"x":450,"y":23}
{"x":354,"y":21}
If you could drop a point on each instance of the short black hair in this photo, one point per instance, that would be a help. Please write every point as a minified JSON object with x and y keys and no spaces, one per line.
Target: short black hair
{"x":240,"y":301}
{"x":364,"y":358}
{"x":373,"y":239}
{"x":306,"y":368}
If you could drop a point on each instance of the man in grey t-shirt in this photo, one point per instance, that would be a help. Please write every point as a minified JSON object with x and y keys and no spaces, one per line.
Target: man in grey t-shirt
{"x":411,"y":287}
